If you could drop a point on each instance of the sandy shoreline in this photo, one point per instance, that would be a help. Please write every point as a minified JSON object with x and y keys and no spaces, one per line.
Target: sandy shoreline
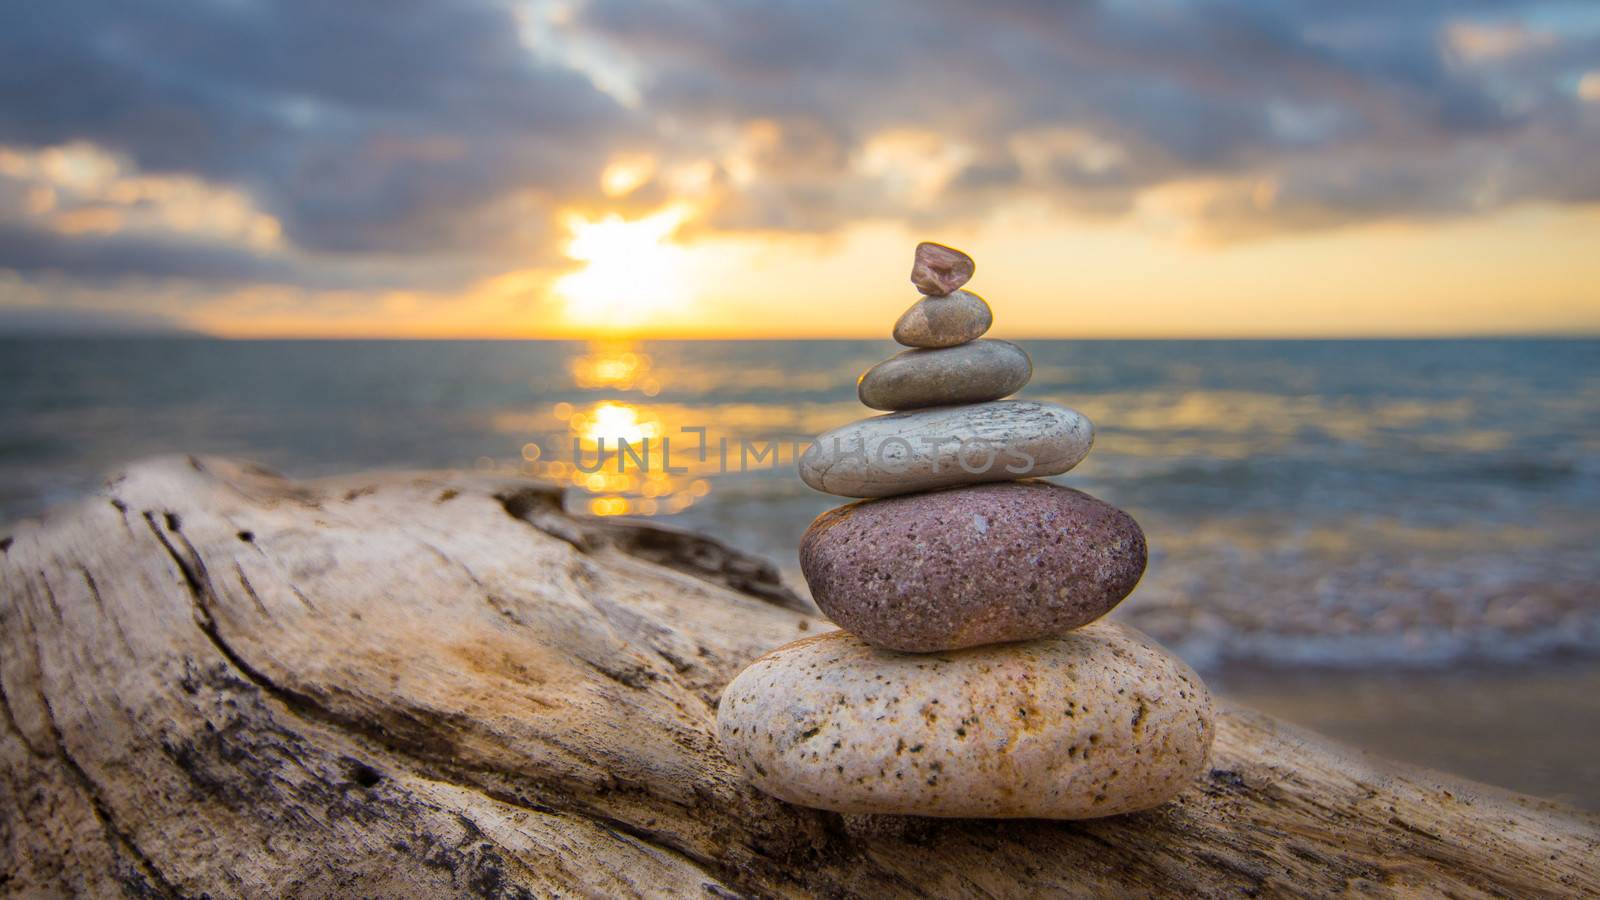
{"x":1529,"y":729}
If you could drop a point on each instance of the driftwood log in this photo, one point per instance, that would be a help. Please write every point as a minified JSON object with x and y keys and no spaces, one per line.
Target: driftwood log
{"x":221,"y":682}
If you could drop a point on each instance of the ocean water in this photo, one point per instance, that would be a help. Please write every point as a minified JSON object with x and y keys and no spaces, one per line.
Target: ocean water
{"x":1428,"y":504}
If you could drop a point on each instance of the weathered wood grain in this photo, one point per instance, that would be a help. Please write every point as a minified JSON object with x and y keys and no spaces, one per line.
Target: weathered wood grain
{"x":218,"y":681}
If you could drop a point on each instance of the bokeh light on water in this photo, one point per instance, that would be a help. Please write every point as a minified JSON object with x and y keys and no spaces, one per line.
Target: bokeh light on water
{"x":613,"y":364}
{"x":633,"y":438}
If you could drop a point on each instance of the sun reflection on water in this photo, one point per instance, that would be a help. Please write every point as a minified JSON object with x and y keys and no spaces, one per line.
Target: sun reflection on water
{"x":615,"y":365}
{"x":615,"y":451}
{"x":614,"y":422}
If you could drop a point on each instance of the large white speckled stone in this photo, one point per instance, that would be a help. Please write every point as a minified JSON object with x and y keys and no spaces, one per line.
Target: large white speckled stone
{"x":927,"y":449}
{"x":1099,"y":721}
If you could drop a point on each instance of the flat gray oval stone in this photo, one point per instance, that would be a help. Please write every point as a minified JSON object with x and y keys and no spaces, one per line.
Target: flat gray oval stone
{"x":970,"y":373}
{"x":945,"y":321}
{"x":971,"y":565}
{"x":1096,"y":722}
{"x":927,"y":449}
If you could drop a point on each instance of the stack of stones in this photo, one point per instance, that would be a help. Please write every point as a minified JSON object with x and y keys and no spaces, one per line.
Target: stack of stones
{"x":971,"y":678}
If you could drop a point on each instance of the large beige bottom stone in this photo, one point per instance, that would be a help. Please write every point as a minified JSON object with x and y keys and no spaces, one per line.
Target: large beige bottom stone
{"x":1097,"y":722}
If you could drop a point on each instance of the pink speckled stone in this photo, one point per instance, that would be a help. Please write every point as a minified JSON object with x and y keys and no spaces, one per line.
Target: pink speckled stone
{"x":973,"y":565}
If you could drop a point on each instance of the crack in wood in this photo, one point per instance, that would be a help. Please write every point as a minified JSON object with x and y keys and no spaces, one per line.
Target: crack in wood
{"x":145,"y":871}
{"x":195,"y":576}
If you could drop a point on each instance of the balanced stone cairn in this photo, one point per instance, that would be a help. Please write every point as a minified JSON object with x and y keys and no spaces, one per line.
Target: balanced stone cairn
{"x":972,"y":678}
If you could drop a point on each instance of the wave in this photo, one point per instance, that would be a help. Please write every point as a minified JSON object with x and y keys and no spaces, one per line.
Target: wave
{"x":1411,"y":650}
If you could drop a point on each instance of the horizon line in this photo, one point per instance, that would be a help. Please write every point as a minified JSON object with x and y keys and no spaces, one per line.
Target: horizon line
{"x":634,"y":338}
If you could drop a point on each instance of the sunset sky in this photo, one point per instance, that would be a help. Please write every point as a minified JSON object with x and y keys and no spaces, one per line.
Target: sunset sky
{"x":1120,"y":168}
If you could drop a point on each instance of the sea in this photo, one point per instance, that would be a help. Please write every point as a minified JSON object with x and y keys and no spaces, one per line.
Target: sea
{"x":1338,"y":503}
{"x":1311,"y":506}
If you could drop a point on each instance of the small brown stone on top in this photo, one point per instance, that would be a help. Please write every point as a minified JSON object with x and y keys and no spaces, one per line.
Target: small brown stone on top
{"x":938,"y":269}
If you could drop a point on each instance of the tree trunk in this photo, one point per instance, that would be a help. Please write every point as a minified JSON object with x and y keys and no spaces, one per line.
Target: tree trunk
{"x":217,"y":681}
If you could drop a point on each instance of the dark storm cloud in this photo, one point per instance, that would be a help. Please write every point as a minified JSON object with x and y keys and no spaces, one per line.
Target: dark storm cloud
{"x":106,"y":257}
{"x":58,"y":321}
{"x":1356,"y":110}
{"x":362,"y":124}
{"x":427,"y":130}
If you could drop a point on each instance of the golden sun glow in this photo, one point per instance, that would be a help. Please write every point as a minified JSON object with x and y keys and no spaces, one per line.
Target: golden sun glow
{"x":625,"y":175}
{"x":632,"y":274}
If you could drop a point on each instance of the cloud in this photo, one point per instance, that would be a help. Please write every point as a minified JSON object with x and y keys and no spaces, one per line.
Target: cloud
{"x":396,"y":143}
{"x":1477,"y":42}
{"x":79,"y":211}
{"x":47,"y":321}
{"x":373,"y":125}
{"x":96,"y":257}
{"x":1356,"y":111}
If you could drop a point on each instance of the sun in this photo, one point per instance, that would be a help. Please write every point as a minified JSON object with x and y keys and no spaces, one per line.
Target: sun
{"x":632,"y":275}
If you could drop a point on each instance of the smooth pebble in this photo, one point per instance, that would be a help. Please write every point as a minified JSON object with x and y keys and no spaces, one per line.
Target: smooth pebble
{"x":938,"y":270}
{"x":946,"y":321}
{"x":971,"y":373}
{"x":971,"y":565}
{"x":926,"y":449}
